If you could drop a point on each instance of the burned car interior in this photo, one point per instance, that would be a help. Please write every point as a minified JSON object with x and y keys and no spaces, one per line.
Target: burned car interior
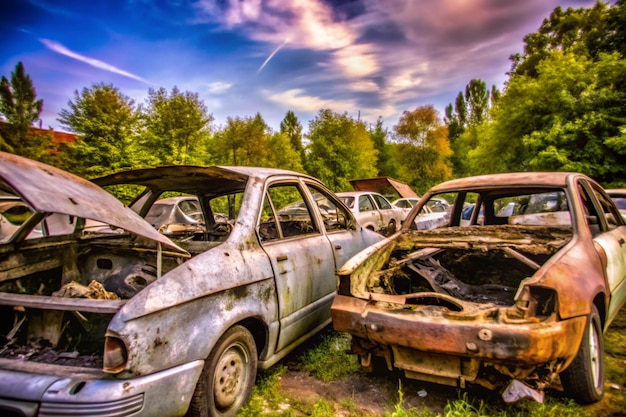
{"x":487,"y":271}
{"x":99,"y":265}
{"x":75,"y":262}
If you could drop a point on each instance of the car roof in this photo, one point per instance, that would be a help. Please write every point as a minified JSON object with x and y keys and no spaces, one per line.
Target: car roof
{"x":547,"y":179}
{"x":192,"y":178}
{"x":355,"y":193}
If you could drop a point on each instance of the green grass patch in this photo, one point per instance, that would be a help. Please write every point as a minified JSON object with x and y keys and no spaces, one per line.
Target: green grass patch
{"x":329,"y":360}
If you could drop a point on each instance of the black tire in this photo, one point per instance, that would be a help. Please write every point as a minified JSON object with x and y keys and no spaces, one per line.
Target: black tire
{"x":583,"y":380}
{"x":228,"y":376}
{"x":391,"y":228}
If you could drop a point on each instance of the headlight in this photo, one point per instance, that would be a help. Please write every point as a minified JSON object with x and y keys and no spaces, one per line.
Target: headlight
{"x":115,"y":355}
{"x":534,"y":301}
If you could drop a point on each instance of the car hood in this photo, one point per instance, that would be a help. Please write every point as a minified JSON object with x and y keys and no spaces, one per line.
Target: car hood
{"x":50,"y":190}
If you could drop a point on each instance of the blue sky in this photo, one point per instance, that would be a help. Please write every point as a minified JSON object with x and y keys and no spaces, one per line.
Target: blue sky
{"x":368,"y":58}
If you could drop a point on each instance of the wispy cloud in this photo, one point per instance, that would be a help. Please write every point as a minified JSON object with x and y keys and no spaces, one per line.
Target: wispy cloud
{"x":60,"y":49}
{"x":297,"y":99}
{"x":219,"y":87}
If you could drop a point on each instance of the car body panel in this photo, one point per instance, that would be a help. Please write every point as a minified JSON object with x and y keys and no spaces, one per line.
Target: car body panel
{"x":50,"y":190}
{"x":492,"y":298}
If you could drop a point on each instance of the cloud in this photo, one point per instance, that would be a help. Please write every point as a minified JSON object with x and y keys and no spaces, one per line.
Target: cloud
{"x":60,"y":49}
{"x":219,"y":87}
{"x":297,"y":99}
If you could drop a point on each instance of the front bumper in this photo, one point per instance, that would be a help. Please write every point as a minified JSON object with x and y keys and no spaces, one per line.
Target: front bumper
{"x":429,"y":329}
{"x":164,"y":393}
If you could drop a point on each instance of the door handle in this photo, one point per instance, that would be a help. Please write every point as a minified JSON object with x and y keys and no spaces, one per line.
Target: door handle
{"x":281,"y":258}
{"x":337,"y":247}
{"x":621,"y":241}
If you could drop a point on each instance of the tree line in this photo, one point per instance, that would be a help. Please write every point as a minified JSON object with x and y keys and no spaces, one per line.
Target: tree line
{"x":562,"y":108}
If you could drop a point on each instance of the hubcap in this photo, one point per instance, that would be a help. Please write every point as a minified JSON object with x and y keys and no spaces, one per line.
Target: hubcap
{"x":594,"y":354}
{"x":231,"y":374}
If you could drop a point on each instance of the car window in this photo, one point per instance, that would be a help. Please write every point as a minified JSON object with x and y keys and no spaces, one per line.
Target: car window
{"x":335,"y":217}
{"x":620,"y":202}
{"x":348,"y":201}
{"x":403,"y":204}
{"x":613,"y":218}
{"x":381,"y":201}
{"x":365,"y":203}
{"x":14,"y":212}
{"x":190,"y":207}
{"x":591,"y":215}
{"x":285,"y":214}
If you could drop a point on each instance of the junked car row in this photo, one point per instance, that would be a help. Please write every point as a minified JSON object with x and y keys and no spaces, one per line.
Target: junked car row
{"x":201,"y":275}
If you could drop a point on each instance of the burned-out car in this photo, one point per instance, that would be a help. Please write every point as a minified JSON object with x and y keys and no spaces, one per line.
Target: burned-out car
{"x":103,"y":315}
{"x":515,"y":298}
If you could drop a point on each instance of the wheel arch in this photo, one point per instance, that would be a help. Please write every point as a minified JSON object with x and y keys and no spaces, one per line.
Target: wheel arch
{"x":259,"y":331}
{"x":600,"y":302}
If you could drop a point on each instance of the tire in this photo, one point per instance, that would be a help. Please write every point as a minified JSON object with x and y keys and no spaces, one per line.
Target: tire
{"x":391,"y":227}
{"x":228,"y":376}
{"x":583,"y":380}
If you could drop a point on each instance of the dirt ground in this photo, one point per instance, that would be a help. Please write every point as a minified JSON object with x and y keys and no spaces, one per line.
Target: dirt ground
{"x":374,"y":395}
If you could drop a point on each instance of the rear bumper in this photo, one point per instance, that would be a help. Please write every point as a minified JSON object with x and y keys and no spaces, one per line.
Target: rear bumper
{"x":163,"y":393}
{"x":428,"y":329}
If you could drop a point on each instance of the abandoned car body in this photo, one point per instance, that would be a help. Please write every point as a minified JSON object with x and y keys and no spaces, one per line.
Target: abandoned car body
{"x":519,"y":297}
{"x":107,"y":316}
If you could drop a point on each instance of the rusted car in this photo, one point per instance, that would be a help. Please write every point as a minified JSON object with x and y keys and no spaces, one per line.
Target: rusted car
{"x":103,"y":315}
{"x":516,"y":300}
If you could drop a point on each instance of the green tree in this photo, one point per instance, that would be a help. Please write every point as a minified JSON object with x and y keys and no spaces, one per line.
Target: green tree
{"x":243,"y":141}
{"x":424,"y":149}
{"x":340,"y":149}
{"x":571,"y":116}
{"x":176,"y":125}
{"x":585,"y":32}
{"x":469,"y":111}
{"x":386,"y":164}
{"x":21,"y":108}
{"x":106,"y":121}
{"x":291,"y":127}
{"x":283,"y":154}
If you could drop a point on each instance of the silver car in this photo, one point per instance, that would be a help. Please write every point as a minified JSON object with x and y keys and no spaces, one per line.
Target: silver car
{"x":103,"y":315}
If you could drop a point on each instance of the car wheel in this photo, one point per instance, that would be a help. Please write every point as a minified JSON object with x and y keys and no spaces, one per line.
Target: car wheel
{"x":583,"y":380}
{"x":391,"y":227}
{"x":228,"y":376}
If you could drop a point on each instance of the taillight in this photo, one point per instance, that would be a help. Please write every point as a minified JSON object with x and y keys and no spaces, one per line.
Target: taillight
{"x":115,"y":355}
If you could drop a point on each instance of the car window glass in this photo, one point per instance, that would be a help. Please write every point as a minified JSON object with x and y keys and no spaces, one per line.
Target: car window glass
{"x":613,"y":218}
{"x":335,"y":217}
{"x":403,"y":204}
{"x":13,"y":213}
{"x":365,"y":203}
{"x":348,"y":201}
{"x":382,"y":202}
{"x":285,"y":214}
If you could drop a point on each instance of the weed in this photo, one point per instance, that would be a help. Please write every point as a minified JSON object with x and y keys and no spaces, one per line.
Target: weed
{"x":328,"y":360}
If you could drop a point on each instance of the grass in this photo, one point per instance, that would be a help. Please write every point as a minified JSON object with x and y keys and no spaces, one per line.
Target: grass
{"x":326,"y":359}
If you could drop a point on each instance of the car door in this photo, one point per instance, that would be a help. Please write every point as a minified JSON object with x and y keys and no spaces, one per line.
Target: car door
{"x":368,"y":210}
{"x":301,"y":257}
{"x":345,"y":237}
{"x":387,"y":211}
{"x":612,"y":238}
